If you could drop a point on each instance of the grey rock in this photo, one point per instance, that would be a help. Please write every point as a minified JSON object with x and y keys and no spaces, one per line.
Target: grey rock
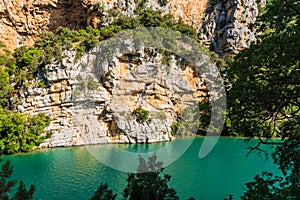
{"x":82,"y":116}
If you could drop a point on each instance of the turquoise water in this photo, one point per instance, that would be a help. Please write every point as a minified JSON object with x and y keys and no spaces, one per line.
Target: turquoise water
{"x":74,"y":173}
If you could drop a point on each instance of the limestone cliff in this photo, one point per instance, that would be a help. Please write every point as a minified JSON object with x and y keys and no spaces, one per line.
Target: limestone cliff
{"x":92,"y":100}
{"x":222,"y":25}
{"x":225,"y":28}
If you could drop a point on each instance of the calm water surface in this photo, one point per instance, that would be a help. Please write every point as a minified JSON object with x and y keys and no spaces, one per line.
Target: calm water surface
{"x":73,"y":173}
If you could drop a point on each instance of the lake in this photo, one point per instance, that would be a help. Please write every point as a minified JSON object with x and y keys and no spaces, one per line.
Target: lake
{"x":75,"y":173}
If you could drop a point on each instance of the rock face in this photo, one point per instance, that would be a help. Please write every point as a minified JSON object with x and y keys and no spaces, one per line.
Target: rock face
{"x":222,"y":25}
{"x":91,"y":101}
{"x":226,"y":26}
{"x":22,"y":21}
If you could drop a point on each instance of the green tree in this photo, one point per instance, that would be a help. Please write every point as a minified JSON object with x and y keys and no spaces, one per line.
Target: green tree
{"x":7,"y":185}
{"x":23,"y":193}
{"x":50,"y":46}
{"x":103,"y":193}
{"x":27,"y":60}
{"x":5,"y":89}
{"x":148,"y":183}
{"x":264,"y":97}
{"x":20,"y":132}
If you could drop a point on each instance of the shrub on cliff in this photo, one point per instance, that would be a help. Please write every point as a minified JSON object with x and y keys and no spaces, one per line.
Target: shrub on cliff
{"x":27,"y":61}
{"x":141,"y":115}
{"x":5,"y":88}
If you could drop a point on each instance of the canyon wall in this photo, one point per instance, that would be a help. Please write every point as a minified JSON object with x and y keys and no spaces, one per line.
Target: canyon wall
{"x":93,"y":100}
{"x":222,"y":25}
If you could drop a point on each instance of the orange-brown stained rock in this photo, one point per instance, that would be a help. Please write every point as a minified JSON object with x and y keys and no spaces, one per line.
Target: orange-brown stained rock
{"x":190,"y":11}
{"x":22,"y":21}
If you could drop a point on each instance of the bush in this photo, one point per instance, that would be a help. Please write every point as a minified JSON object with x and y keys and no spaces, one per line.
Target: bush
{"x":92,"y":84}
{"x":20,"y":132}
{"x":174,"y":128}
{"x":141,"y":115}
{"x":27,"y":59}
{"x":126,"y":22}
{"x":163,"y":2}
{"x":5,"y":89}
{"x":186,"y":29}
{"x":99,"y":9}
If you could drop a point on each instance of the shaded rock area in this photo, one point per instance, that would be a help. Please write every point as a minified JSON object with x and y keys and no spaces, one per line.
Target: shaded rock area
{"x":225,"y":28}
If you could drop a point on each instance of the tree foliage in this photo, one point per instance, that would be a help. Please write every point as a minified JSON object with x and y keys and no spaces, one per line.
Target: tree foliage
{"x":264,"y":97}
{"x":103,"y":193}
{"x":5,"y":89}
{"x":6,"y":185}
{"x":146,"y":18}
{"x":20,"y":132}
{"x":264,"y":79}
{"x":148,"y":183}
{"x":269,"y":186}
{"x":23,"y":193}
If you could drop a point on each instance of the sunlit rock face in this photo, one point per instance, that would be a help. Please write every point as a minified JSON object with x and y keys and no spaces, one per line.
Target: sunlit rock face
{"x":91,"y":107}
{"x":22,"y":21}
{"x":222,"y":25}
{"x":92,"y":100}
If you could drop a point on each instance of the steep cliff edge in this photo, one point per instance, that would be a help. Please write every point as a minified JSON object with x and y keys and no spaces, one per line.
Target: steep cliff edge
{"x":222,"y":25}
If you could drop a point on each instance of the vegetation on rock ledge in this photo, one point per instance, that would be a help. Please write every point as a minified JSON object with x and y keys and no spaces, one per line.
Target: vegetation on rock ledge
{"x":141,"y":115}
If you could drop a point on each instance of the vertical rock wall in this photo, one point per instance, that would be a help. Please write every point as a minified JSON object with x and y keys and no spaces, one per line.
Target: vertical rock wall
{"x":225,"y":28}
{"x":92,"y":102}
{"x":222,"y":25}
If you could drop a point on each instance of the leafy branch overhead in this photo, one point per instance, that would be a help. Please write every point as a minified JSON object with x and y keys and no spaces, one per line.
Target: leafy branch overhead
{"x":264,"y":97}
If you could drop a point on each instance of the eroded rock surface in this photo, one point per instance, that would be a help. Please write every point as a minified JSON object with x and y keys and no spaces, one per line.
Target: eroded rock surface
{"x":226,"y":26}
{"x":91,"y":101}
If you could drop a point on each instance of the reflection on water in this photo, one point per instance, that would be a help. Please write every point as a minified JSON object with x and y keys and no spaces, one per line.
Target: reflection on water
{"x":126,"y":158}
